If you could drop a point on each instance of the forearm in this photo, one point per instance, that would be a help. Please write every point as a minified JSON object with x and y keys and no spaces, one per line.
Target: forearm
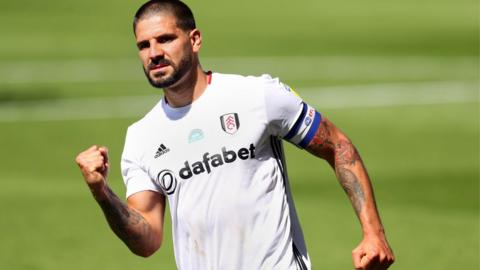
{"x":354,"y":179}
{"x":127,"y":223}
{"x":332,"y":145}
{"x":374,"y":251}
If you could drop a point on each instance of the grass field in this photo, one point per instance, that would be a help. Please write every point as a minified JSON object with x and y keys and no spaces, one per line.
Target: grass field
{"x":401,"y":78}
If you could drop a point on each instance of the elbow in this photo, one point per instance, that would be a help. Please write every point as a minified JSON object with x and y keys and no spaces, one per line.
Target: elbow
{"x":146,"y":251}
{"x":144,"y":244}
{"x":142,"y":253}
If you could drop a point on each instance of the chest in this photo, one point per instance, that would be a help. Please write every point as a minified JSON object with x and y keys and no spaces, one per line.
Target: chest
{"x":204,"y":143}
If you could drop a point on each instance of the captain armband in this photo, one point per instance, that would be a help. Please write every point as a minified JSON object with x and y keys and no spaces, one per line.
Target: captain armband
{"x":305,"y":126}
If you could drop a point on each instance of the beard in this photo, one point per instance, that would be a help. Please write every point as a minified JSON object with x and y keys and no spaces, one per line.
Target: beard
{"x":168,"y":80}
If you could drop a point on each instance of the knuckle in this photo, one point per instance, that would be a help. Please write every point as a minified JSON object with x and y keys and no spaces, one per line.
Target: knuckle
{"x":80,"y":161}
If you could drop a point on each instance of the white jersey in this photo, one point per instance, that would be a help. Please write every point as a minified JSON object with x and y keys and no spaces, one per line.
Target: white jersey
{"x":219,"y":162}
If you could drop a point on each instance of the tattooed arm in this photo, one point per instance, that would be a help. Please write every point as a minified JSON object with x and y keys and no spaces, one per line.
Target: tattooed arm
{"x":332,"y":145}
{"x":139,"y":224}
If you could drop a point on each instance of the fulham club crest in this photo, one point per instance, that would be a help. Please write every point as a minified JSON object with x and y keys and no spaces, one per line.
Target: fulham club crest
{"x":230,"y":122}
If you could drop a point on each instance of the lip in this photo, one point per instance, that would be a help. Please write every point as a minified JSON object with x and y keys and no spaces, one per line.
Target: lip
{"x":158,"y":67}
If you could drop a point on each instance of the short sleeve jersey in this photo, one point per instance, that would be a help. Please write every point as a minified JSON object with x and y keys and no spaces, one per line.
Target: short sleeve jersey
{"x":219,"y":161}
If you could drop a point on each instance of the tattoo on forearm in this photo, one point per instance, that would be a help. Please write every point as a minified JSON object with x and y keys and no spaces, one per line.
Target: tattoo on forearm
{"x":346,"y":153}
{"x":352,"y":187}
{"x":126,"y":223}
{"x":337,"y":149}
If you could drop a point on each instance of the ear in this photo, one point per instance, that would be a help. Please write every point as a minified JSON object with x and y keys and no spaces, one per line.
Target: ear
{"x":196,"y":40}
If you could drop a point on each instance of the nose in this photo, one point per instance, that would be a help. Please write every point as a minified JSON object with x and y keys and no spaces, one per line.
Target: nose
{"x":155,"y":51}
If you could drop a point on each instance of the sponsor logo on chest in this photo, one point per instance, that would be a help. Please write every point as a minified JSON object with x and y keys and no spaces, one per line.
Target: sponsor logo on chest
{"x":167,"y":181}
{"x":211,"y":161}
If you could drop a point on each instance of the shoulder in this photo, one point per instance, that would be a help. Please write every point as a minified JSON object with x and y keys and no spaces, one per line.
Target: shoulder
{"x":264,"y":82}
{"x":237,"y":78}
{"x":142,"y":126}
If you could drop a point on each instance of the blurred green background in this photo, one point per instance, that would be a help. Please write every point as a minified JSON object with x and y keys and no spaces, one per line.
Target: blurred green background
{"x":400,"y":77}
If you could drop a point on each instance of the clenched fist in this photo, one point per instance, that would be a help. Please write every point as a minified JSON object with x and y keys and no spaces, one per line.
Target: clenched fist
{"x":373,"y":253}
{"x":94,"y":165}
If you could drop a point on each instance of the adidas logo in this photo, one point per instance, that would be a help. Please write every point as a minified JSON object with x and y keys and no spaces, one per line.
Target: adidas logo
{"x":161,"y":150}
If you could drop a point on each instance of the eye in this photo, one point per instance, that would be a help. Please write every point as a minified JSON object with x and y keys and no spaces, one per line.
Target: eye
{"x":143,"y":45}
{"x":165,"y":38}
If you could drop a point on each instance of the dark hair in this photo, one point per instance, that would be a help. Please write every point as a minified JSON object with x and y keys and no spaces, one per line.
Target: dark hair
{"x":177,"y":8}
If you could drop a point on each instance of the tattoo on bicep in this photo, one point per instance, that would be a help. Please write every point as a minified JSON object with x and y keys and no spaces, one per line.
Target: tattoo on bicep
{"x":128,"y":224}
{"x":321,"y":144}
{"x":352,"y":187}
{"x":322,"y":136}
{"x":338,"y":152}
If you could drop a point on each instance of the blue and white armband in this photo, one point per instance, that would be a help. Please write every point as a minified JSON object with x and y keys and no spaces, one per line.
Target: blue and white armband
{"x":305,"y":126}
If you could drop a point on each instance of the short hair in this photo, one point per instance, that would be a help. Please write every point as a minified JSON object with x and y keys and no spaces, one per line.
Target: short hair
{"x":177,"y":8}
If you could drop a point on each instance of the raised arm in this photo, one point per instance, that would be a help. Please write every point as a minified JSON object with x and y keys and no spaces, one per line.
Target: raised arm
{"x":139,"y":223}
{"x":332,"y":145}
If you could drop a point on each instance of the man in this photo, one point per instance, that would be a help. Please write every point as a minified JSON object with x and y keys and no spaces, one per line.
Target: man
{"x":212,"y":147}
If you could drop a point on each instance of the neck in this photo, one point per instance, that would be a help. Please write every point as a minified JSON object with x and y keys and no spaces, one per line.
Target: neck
{"x":188,"y":89}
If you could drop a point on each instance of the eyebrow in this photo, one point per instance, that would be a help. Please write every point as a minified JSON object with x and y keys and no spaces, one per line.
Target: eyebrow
{"x":143,"y":43}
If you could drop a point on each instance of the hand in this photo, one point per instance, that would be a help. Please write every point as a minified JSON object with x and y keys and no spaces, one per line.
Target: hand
{"x":373,"y":253}
{"x":94,"y":165}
